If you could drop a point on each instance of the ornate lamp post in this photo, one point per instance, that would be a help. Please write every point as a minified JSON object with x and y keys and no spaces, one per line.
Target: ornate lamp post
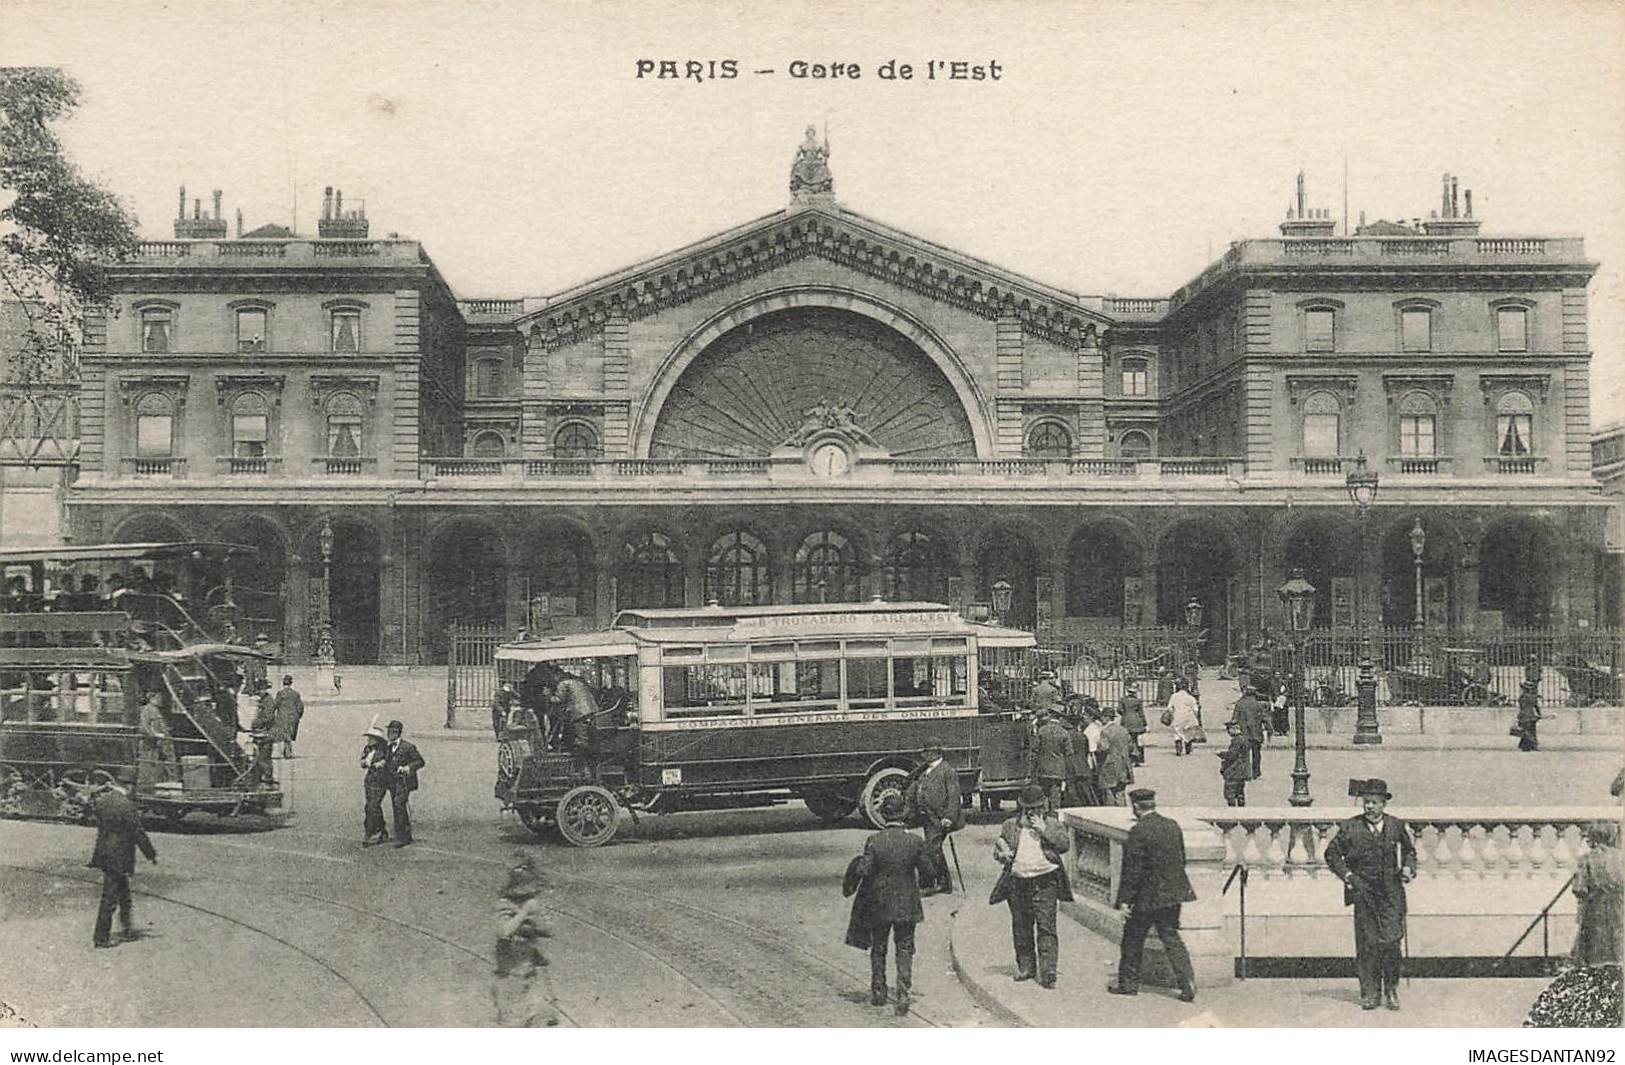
{"x":1362,"y":486}
{"x":1001,"y":600}
{"x":1193,"y":621}
{"x":1298,"y":606}
{"x":326,"y":659}
{"x":1419,"y":543}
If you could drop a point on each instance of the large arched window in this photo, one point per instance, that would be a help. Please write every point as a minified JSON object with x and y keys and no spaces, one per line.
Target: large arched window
{"x":736,"y":571}
{"x":651,"y":573}
{"x":250,"y":426}
{"x":916,"y":570}
{"x":1134,"y":444}
{"x":1322,"y":425}
{"x":1418,"y":426}
{"x":826,"y":570}
{"x":346,"y":426}
{"x":488,"y":444}
{"x":1049,"y":440}
{"x":576,"y":440}
{"x":1515,"y":425}
{"x":154,"y":427}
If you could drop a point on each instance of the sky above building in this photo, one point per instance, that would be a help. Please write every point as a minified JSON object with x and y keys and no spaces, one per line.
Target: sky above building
{"x":1121,"y":147}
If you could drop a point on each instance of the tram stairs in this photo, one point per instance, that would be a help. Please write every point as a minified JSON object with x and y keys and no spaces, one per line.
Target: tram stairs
{"x":191,"y":689}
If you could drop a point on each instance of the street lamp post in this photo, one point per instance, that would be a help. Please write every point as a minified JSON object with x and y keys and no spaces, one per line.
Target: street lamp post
{"x":1362,"y":486}
{"x":1193,"y":620}
{"x":1298,"y":606}
{"x":1001,"y":600}
{"x":326,"y":659}
{"x":1419,"y":543}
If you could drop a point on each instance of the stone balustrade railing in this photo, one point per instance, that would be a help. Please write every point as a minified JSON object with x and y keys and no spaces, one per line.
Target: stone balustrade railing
{"x":1062,"y":470}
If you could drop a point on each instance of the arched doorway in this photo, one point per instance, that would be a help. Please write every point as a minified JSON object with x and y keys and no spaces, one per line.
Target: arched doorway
{"x":353,"y":591}
{"x":560,"y":579}
{"x":150,"y":528}
{"x":1100,"y":560}
{"x":1318,"y":547}
{"x":651,"y":572}
{"x":1197,"y":561}
{"x":259,"y":581}
{"x":1441,"y":547}
{"x":917,"y":568}
{"x":827,"y":567}
{"x":738,"y":570}
{"x":467,"y":582}
{"x":1007,"y":555}
{"x":1520,"y":569}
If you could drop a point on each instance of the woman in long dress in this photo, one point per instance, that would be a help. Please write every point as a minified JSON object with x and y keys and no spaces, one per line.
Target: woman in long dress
{"x":374,"y":785}
{"x":1597,"y":888}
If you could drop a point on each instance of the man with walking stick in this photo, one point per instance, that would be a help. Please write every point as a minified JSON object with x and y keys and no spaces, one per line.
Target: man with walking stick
{"x":934,"y":803}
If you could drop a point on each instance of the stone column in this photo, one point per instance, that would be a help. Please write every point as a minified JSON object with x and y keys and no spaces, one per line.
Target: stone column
{"x":604,"y":559}
{"x":297,"y":619}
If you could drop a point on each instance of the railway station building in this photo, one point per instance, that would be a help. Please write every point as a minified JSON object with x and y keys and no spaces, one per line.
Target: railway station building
{"x":817,"y":406}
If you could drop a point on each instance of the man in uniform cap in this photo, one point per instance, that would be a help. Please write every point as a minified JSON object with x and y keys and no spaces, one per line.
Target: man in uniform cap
{"x":933,"y":801}
{"x":1051,"y":756}
{"x":118,"y":834}
{"x":1132,"y":713}
{"x":1034,"y":881}
{"x":1153,"y":885}
{"x":894,"y":861}
{"x":1374,"y":857}
{"x":1249,"y":711}
{"x":1045,"y":693}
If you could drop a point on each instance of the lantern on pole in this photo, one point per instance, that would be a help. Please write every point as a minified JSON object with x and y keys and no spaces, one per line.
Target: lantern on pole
{"x":1298,"y":608}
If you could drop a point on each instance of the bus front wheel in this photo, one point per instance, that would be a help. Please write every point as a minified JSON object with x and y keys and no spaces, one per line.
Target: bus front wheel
{"x":881,"y":783}
{"x":587,"y":816}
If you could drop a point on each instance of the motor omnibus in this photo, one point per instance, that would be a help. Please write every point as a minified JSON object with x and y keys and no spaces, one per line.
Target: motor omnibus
{"x":90,"y":634}
{"x":729,"y":707}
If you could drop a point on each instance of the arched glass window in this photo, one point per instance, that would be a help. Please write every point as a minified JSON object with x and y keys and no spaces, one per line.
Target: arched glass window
{"x":1418,"y":424}
{"x":1136,"y":377}
{"x":154,"y":427}
{"x":575,"y":441}
{"x":915,"y":569}
{"x":651,"y":573}
{"x":825,"y":570}
{"x":1049,"y":440}
{"x":1135,"y":444}
{"x":250,"y":426}
{"x":1322,"y":422}
{"x":345,"y":426}
{"x":488,"y":444}
{"x":736,"y":571}
{"x":1515,"y":425}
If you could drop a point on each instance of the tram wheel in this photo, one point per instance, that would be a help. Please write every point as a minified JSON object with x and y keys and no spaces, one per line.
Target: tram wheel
{"x":882,"y":782}
{"x":587,"y":816}
{"x":828,"y":806}
{"x":531,"y":817}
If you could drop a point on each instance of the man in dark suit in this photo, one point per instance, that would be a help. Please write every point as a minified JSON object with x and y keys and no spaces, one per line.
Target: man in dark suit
{"x":1030,"y":847}
{"x":893,"y":859}
{"x":1250,"y":712}
{"x":1131,"y":712}
{"x":118,"y":834}
{"x":1153,"y":886}
{"x":401,"y":764}
{"x":1374,"y":857}
{"x":287,"y":707}
{"x":1050,"y":758}
{"x":934,"y":803}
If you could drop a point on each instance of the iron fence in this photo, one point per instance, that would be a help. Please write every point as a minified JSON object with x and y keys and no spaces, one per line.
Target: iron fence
{"x":471,"y":673}
{"x":1102,"y":666}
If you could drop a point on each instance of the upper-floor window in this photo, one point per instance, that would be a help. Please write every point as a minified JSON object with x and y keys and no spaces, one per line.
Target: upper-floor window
{"x":1049,"y":440}
{"x":488,"y":378}
{"x":1322,"y":423}
{"x":1320,"y":329}
{"x":346,"y":426}
{"x":1418,"y":427}
{"x":251,"y":322}
{"x":1515,"y":425}
{"x":576,"y":440}
{"x":1511,"y":329}
{"x":250,"y":426}
{"x":1136,"y":377}
{"x":345,"y":329}
{"x":157,"y":329}
{"x":1415,"y":329}
{"x":154,"y":427}
{"x":1134,"y":444}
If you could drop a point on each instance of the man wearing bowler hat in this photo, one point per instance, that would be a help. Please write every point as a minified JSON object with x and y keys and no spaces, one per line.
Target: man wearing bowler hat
{"x":1153,"y":885}
{"x":118,"y":834}
{"x":934,"y":803}
{"x":1030,"y":846}
{"x":892,"y":859}
{"x":1374,"y":857}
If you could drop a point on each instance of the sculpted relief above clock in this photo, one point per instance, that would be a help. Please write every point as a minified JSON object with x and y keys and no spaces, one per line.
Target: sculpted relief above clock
{"x":757,"y":386}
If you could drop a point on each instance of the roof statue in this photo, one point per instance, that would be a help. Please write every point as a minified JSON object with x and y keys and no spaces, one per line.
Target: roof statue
{"x":810,"y":179}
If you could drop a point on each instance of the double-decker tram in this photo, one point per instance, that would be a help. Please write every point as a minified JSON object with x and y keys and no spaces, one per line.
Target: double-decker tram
{"x":126,"y":655}
{"x":717,"y":708}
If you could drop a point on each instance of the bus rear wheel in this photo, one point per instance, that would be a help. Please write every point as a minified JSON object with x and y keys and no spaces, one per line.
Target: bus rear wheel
{"x":588,"y":816}
{"x":829,"y":806}
{"x":882,"y":782}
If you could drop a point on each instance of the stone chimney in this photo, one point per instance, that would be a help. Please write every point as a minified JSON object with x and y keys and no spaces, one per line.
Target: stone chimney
{"x":1303,"y":222}
{"x":199,"y":226}
{"x":335,"y":224}
{"x":1450,"y":221}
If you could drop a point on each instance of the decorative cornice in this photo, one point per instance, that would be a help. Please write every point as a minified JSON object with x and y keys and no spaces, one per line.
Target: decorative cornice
{"x":1437,"y":385}
{"x":323,"y":385}
{"x":1494,"y":385}
{"x":227,"y":385}
{"x":1344,"y":386}
{"x":173,"y":385}
{"x":895,"y":259}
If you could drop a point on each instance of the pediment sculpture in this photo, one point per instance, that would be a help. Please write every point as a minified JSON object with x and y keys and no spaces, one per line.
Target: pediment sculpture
{"x":826,"y":416}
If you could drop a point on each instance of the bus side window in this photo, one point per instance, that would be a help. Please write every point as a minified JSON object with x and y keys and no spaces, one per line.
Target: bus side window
{"x":704,"y":690}
{"x":866,"y":683}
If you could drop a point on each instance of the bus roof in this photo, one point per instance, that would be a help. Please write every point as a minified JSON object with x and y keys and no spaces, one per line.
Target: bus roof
{"x":706,"y":616}
{"x":119,"y":552}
